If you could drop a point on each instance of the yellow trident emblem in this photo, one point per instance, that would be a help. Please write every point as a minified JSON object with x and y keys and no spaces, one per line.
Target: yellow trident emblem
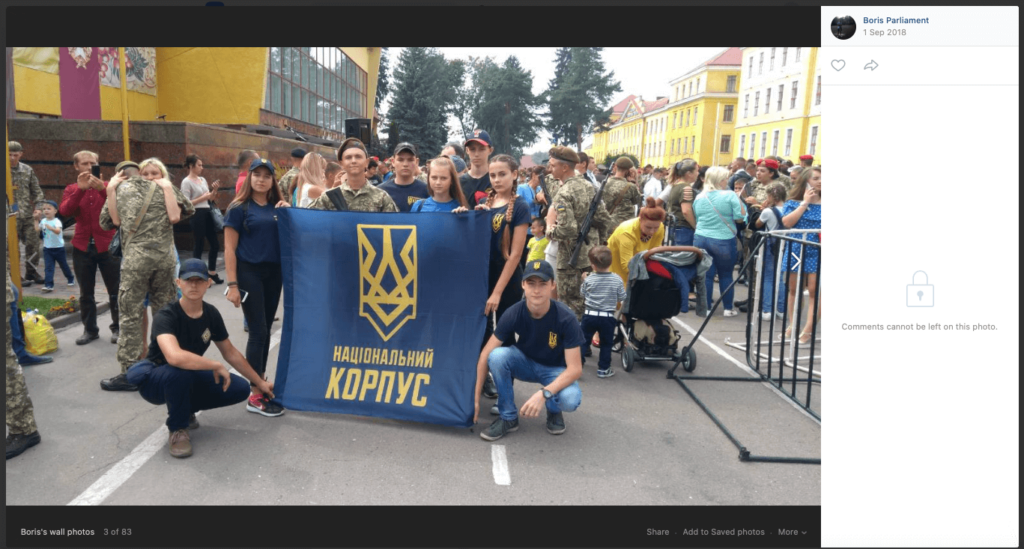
{"x":552,"y":340}
{"x":387,"y":281}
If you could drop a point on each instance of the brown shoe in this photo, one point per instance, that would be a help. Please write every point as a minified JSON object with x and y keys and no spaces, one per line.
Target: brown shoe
{"x":181,"y":445}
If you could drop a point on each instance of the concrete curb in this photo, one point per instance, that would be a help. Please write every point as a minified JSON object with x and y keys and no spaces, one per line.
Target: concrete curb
{"x":76,"y":317}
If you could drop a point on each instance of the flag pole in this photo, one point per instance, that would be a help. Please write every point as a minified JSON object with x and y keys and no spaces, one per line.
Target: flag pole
{"x":124,"y":102}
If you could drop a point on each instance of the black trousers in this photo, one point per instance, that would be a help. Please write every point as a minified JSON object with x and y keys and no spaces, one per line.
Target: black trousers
{"x":203,"y":228}
{"x":264,"y":283}
{"x":86,"y":263}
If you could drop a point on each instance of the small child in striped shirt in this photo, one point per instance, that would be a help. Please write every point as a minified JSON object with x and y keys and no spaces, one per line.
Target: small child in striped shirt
{"x":602,"y":291}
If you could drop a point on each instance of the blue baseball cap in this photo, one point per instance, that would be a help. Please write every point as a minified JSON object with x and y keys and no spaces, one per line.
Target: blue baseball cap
{"x":480,"y":136}
{"x":194,"y":268}
{"x":540,"y":269}
{"x":256,"y":163}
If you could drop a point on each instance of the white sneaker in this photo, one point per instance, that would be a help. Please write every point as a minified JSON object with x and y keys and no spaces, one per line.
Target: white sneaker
{"x":730,"y":312}
{"x":47,"y":289}
{"x":71,"y":283}
{"x":768,"y":315}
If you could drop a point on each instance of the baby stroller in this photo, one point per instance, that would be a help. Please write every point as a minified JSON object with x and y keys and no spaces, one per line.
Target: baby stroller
{"x":645,"y":333}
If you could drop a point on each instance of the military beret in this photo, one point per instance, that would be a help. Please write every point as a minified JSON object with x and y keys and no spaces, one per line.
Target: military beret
{"x":565,"y":154}
{"x":298,"y":153}
{"x":771,"y":164}
{"x":125,"y":164}
{"x":14,"y":146}
{"x":623,"y":163}
{"x":807,"y":157}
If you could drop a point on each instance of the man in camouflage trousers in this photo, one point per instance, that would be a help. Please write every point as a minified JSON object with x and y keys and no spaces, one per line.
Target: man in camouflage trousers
{"x":21,"y":422}
{"x":570,"y":208}
{"x":286,"y":180}
{"x":358,"y":195}
{"x":148,"y":262}
{"x":28,"y":195}
{"x":620,"y":196}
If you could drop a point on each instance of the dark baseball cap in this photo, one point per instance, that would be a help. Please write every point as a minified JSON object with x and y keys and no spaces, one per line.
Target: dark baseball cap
{"x":298,"y":153}
{"x":406,"y":146}
{"x":480,"y":136}
{"x":257,"y":162}
{"x":194,"y":268}
{"x":540,"y":269}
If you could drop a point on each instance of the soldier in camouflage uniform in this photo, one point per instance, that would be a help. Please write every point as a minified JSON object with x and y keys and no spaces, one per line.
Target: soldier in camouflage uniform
{"x":571,"y":205}
{"x":28,"y":195}
{"x":285,"y":182}
{"x":21,"y":422}
{"x":148,"y":262}
{"x":620,"y":196}
{"x":360,"y":196}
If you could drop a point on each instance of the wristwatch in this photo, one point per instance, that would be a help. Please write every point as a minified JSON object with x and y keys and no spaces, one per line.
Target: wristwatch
{"x":547,"y":394}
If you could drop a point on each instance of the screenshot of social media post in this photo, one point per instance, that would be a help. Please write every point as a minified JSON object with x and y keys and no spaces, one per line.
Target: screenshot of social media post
{"x":510,"y":275}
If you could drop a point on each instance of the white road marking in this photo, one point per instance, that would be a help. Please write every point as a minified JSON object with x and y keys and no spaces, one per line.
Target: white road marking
{"x":124,"y":469}
{"x":500,"y":465}
{"x":745,"y":369}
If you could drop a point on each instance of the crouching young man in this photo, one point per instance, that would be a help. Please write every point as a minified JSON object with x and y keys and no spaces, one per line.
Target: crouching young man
{"x":175,"y":372}
{"x":547,"y":351}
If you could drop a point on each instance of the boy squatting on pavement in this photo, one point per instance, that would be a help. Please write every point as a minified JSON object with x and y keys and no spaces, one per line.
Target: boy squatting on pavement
{"x":175,"y":372}
{"x":546,"y":352}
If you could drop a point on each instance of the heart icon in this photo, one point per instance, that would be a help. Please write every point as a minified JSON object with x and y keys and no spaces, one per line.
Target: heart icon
{"x":838,"y":64}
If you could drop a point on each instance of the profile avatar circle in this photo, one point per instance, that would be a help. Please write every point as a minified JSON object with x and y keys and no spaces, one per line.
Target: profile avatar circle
{"x":844,"y":28}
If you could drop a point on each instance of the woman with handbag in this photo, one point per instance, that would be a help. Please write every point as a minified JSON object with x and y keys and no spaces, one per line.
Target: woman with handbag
{"x":204,"y":223}
{"x":717,"y":210}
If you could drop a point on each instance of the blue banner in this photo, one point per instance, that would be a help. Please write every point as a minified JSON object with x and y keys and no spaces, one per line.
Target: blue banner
{"x":383,"y":313}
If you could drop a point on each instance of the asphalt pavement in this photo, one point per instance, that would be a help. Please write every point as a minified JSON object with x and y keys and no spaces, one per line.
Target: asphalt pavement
{"x":637,"y":439}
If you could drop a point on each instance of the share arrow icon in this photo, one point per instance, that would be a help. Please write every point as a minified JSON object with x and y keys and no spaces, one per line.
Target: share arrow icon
{"x":871,"y":65}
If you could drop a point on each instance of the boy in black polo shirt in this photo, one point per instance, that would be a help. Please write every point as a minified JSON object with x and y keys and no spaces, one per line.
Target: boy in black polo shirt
{"x":175,"y":372}
{"x":547,"y":352}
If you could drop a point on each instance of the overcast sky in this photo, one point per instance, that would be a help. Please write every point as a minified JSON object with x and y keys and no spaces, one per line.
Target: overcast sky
{"x":640,"y":71}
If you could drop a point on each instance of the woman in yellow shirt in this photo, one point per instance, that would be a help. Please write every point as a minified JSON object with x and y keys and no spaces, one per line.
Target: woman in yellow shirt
{"x":636,"y":235}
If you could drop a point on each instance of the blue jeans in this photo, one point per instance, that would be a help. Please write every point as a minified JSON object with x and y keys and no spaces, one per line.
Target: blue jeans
{"x":186,"y":392}
{"x":51,"y":258}
{"x":769,"y":283}
{"x":723,"y":259}
{"x":682,"y":276}
{"x":605,"y":328}
{"x":17,"y":340}
{"x":508,"y":363}
{"x":683,"y":236}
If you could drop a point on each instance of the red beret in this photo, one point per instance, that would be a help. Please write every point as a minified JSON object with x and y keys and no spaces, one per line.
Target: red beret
{"x":807,"y":157}
{"x":759,"y":161}
{"x":769,"y":163}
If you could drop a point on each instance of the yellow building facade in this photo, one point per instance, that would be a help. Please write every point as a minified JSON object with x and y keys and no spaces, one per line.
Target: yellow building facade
{"x":780,"y":104}
{"x":311,"y":89}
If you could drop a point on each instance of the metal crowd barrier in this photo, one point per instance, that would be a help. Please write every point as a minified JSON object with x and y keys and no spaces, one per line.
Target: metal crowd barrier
{"x":789,"y":367}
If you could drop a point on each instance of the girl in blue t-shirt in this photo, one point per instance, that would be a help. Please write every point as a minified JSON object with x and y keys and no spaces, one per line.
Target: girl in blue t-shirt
{"x":252,"y":261}
{"x":445,"y":193}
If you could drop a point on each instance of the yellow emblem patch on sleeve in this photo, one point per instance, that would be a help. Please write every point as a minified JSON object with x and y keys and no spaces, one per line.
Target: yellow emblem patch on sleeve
{"x":560,"y":208}
{"x":552,"y":340}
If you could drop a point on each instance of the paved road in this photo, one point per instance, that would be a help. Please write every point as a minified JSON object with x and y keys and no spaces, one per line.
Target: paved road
{"x":637,"y":439}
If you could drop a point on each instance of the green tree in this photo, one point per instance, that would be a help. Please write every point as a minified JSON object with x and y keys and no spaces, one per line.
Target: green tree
{"x":611,"y":158}
{"x":507,"y":107}
{"x":383,"y":79}
{"x":577,"y":94}
{"x":424,"y":89}
{"x":393,"y":138}
{"x":539,"y":157}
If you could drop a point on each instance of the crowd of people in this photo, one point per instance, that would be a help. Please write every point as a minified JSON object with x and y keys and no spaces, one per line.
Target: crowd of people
{"x":550,"y":288}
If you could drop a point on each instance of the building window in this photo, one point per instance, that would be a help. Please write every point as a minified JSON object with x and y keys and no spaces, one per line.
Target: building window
{"x":792,"y":97}
{"x":746,"y":104}
{"x":672,"y":148}
{"x":764,"y":143}
{"x":730,"y":84}
{"x":771,"y":63}
{"x":798,"y":55}
{"x":686,"y":144}
{"x":775,"y":143}
{"x":695,"y":115}
{"x":691,"y":89}
{"x":817,"y":96}
{"x":725,"y":143}
{"x":767,"y":100}
{"x":760,"y":64}
{"x":757,"y":101}
{"x":698,"y":85}
{"x":679,"y":145}
{"x":782,"y":88}
{"x":784,"y":52}
{"x":727,"y":117}
{"x":750,"y":71}
{"x":753,"y":140}
{"x":319,"y":86}
{"x":743,"y":143}
{"x":814,"y":140}
{"x":789,"y":141}
{"x":674,"y":115}
{"x":687,"y":117}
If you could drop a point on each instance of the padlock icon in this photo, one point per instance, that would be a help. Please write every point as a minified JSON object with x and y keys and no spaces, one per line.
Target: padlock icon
{"x":920,"y":295}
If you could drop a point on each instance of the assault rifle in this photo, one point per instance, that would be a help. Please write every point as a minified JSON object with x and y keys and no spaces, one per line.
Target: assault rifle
{"x":585,"y":227}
